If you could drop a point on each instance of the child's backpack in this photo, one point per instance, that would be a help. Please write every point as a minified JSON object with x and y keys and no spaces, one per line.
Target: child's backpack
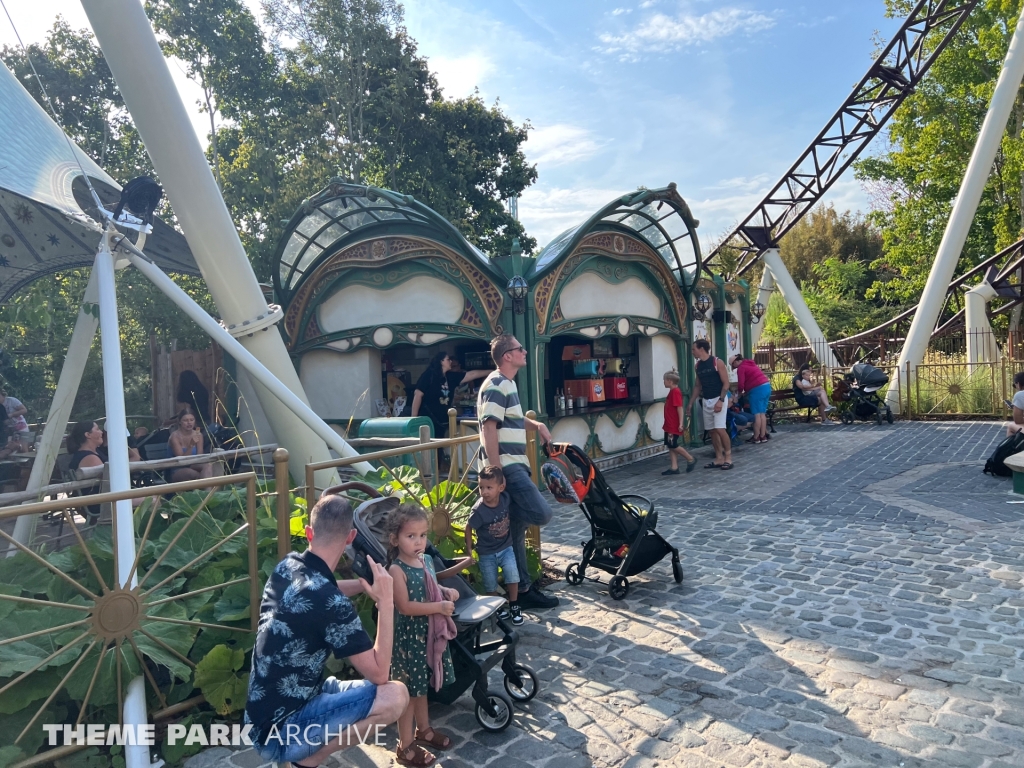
{"x":995,"y":466}
{"x":563,"y":478}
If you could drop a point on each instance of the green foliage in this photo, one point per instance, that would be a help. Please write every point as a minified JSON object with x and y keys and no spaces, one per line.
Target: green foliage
{"x":834,"y":258}
{"x":221,"y":656}
{"x":931,"y":137}
{"x":217,"y":677}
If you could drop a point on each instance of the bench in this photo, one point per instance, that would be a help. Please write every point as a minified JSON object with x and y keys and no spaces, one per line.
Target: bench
{"x":783,"y":402}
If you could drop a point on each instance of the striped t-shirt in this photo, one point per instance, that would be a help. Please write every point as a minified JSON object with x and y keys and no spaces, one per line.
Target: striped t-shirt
{"x":499,"y":401}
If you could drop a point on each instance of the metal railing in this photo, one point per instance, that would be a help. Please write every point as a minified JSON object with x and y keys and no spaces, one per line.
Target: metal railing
{"x":116,"y":614}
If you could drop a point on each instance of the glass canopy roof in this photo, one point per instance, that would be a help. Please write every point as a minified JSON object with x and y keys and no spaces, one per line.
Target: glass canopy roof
{"x":339,"y":212}
{"x":658,"y":216}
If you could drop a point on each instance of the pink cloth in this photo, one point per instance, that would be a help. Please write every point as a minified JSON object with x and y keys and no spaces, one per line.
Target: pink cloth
{"x":441,"y":630}
{"x":749,"y":375}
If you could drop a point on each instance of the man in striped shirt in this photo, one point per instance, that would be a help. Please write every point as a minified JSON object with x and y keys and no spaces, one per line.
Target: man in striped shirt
{"x":503,"y":429}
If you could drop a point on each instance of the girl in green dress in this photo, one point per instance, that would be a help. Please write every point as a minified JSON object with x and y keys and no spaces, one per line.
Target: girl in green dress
{"x":407,"y":532}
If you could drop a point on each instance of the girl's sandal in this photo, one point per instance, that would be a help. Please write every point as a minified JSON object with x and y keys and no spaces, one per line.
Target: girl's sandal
{"x":437,"y":740}
{"x":420,"y":757}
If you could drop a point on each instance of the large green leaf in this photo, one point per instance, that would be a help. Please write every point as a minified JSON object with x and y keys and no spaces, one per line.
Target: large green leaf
{"x":217,"y":678}
{"x":24,"y":572}
{"x":23,"y":655}
{"x":10,"y":755}
{"x":178,"y":636}
{"x":233,"y":604}
{"x":35,"y":687}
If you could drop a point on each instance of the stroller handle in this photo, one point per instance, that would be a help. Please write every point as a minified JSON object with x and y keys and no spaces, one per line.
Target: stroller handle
{"x":369,"y":490}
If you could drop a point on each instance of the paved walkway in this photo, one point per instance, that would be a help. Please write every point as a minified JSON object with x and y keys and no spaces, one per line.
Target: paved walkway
{"x":852,"y":598}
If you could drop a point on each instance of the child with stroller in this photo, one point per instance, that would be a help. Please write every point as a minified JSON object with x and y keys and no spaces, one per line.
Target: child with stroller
{"x":490,"y":519}
{"x":674,"y":420}
{"x":414,"y":580}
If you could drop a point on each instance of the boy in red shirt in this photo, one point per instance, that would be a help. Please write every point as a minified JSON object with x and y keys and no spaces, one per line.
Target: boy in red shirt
{"x":674,"y":419}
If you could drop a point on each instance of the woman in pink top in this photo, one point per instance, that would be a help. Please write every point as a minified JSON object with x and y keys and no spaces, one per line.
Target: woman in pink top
{"x":752,"y":382}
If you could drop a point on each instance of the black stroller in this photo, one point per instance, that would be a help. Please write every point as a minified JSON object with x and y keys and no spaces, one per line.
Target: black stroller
{"x":494,"y":708}
{"x":623,"y":539}
{"x":860,"y":399}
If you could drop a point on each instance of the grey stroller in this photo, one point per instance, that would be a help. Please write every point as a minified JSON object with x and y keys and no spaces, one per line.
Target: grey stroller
{"x":494,"y":707}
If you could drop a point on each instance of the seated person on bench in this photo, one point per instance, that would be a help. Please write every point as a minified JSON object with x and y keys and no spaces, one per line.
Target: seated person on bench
{"x":808,"y":394}
{"x":187,"y":440}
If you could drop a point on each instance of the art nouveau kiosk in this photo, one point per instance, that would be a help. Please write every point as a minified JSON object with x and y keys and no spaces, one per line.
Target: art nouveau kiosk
{"x":374,"y":284}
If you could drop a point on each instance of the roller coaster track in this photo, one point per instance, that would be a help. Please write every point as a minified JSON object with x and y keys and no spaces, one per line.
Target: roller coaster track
{"x":892,"y":77}
{"x":998,"y":270}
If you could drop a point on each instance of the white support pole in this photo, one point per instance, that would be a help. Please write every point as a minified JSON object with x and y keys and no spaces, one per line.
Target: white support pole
{"x":131,"y":50}
{"x":801,"y":312}
{"x":764,"y":296}
{"x":981,"y":346}
{"x":136,"y":756}
{"x":60,"y":408}
{"x":244,"y":358}
{"x":964,"y":207}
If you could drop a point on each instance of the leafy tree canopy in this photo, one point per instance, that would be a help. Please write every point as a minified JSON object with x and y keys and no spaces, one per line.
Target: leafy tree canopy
{"x":333,"y":88}
{"x":916,"y":178}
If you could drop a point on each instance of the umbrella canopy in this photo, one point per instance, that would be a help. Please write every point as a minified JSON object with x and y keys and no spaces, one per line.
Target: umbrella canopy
{"x":45,"y":224}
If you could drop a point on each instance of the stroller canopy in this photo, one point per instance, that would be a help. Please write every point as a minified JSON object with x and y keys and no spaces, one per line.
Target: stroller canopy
{"x":869,"y":376}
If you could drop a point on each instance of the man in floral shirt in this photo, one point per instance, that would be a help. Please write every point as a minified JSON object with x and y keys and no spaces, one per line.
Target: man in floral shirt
{"x":305,"y":616}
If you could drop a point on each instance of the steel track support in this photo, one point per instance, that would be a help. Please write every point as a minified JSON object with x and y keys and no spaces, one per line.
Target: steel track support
{"x":964,"y":208}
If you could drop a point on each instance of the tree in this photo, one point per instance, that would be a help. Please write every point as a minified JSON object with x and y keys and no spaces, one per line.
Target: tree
{"x":831,"y":256}
{"x":931,"y":138}
{"x":222,"y":47}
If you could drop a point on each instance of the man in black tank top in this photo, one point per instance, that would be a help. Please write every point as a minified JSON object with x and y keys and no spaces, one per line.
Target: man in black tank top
{"x":711,"y":389}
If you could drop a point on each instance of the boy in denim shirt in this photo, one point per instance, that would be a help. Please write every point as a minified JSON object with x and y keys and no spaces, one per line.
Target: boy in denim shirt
{"x":490,"y":520}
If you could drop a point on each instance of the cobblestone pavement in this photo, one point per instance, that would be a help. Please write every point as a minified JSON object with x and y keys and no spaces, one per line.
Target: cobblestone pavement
{"x":852,"y":598}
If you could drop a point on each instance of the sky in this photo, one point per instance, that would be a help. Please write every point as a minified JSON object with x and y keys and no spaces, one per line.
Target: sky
{"x":719,"y":96}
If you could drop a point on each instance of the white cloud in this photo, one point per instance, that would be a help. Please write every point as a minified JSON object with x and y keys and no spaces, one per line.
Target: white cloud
{"x":459,"y":75}
{"x":560,"y":144}
{"x":546,"y":213}
{"x":660,"y":33}
{"x":620,"y":11}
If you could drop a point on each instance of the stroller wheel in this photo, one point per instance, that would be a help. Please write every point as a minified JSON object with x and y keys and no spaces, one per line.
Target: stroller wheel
{"x":889,"y":416}
{"x":677,"y":572}
{"x":618,"y":587}
{"x":527,"y":686}
{"x":574,"y":574}
{"x":501,"y":705}
{"x":878,"y":417}
{"x":847,"y":418}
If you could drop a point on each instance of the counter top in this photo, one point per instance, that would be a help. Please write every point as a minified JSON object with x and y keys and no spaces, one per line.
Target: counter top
{"x":610,"y":405}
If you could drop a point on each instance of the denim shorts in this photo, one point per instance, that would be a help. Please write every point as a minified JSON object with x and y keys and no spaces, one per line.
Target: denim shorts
{"x":341,"y":703}
{"x":489,"y":564}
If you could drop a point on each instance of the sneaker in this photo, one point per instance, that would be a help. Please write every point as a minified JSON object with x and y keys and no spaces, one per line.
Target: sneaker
{"x":829,"y":409}
{"x":690,"y":465}
{"x":534,"y":598}
{"x":670,"y":472}
{"x":504,"y":613}
{"x":517,"y":614}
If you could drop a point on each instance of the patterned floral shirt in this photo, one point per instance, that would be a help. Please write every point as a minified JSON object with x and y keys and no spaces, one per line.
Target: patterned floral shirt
{"x":303,"y":618}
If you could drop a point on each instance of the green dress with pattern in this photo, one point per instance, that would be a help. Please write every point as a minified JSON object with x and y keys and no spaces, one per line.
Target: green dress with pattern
{"x":409,"y":662}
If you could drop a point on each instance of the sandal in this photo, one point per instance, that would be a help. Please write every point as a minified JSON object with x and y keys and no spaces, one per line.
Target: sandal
{"x":437,"y":740}
{"x":420,"y":757}
{"x":712,"y":465}
{"x":726,"y":465}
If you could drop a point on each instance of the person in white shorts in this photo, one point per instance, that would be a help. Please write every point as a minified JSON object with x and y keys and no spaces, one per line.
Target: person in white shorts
{"x":712,"y":388}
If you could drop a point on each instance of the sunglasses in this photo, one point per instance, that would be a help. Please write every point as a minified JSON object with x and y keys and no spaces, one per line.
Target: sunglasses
{"x":514,"y":349}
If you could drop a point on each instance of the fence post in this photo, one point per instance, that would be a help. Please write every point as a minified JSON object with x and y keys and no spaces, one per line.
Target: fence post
{"x":428,"y":464}
{"x":453,"y":431}
{"x":281,"y":482}
{"x":533,"y":532}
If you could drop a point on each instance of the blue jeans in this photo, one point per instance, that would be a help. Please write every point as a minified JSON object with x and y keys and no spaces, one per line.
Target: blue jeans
{"x":489,"y":564}
{"x":527,"y":508}
{"x":341,"y":703}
